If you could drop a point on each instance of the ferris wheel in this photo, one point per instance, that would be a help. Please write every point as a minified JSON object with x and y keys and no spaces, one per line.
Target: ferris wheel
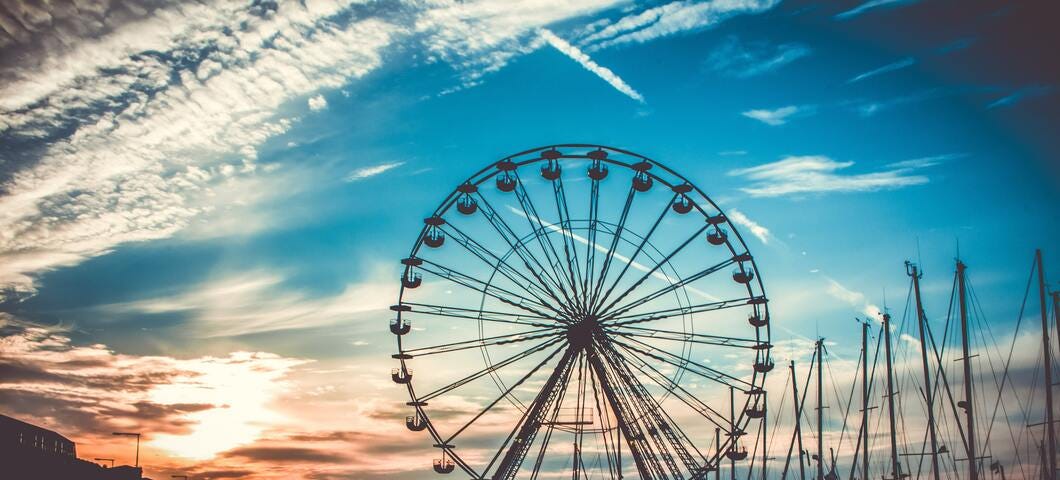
{"x":586,"y":311}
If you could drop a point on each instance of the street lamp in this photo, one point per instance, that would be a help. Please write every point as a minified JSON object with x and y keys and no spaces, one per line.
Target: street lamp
{"x":111,"y":460}
{"x":129,"y":434}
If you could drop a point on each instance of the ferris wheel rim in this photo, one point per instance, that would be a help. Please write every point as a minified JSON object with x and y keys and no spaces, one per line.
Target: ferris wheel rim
{"x":494,"y":169}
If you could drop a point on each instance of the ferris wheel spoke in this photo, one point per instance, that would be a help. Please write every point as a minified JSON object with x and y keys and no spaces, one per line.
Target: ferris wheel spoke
{"x":494,"y":291}
{"x":688,"y":398}
{"x":603,"y":312}
{"x":483,"y":315}
{"x":672,"y":287}
{"x":504,"y":268}
{"x":643,"y":407}
{"x":700,"y":338}
{"x":540,"y":232}
{"x":610,"y":255}
{"x":684,"y":364}
{"x":614,"y":461}
{"x":522,"y":436}
{"x":570,"y":250}
{"x":633,"y":258}
{"x":590,"y":244}
{"x":644,"y":458}
{"x":489,"y":369}
{"x":674,"y":312}
{"x":484,"y":342}
{"x":550,"y":428}
{"x":503,"y":395}
{"x":675,"y":438}
{"x":524,"y":254}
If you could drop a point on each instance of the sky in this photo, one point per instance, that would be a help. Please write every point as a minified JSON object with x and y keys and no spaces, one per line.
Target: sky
{"x":203,"y":204}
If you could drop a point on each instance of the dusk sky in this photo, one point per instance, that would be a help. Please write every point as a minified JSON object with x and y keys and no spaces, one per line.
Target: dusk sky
{"x":203,"y":205}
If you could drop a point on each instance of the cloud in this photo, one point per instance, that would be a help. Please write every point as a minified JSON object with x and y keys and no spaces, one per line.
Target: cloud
{"x":479,"y":38}
{"x":1018,"y":96}
{"x":890,"y":67}
{"x":738,"y":217}
{"x":258,"y":301}
{"x":778,"y":116}
{"x":133,"y":146}
{"x":819,"y":174}
{"x":853,"y":298}
{"x":739,"y":59}
{"x":192,"y":407}
{"x":924,"y":162}
{"x":317,"y":103}
{"x":870,"y":5}
{"x":870,"y":108}
{"x":604,"y":73}
{"x":671,"y":19}
{"x":368,"y":172}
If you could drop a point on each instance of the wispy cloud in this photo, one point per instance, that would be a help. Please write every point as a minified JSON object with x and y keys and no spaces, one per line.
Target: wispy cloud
{"x":739,"y":59}
{"x":820,"y":174}
{"x":870,"y":5}
{"x":604,"y":73}
{"x":136,"y":144}
{"x":670,"y":19}
{"x":368,"y":172}
{"x":756,"y":229}
{"x":870,"y":108}
{"x":778,"y":116}
{"x":924,"y":162}
{"x":853,"y":298}
{"x":259,"y":301}
{"x":890,"y":67}
{"x":1019,"y":96}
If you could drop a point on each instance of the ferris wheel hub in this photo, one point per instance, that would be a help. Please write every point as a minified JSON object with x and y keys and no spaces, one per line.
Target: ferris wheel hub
{"x":580,"y":334}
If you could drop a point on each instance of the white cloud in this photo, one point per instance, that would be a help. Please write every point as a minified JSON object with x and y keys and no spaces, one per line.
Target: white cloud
{"x":924,"y":162}
{"x":258,"y":301}
{"x":890,"y":67}
{"x":145,"y":169}
{"x":1018,"y":96}
{"x":739,"y":59}
{"x":854,"y":298}
{"x":317,"y":103}
{"x":604,"y":73}
{"x":738,"y":217}
{"x":367,"y":172}
{"x":670,"y":19}
{"x":869,"y":5}
{"x":772,"y":117}
{"x":819,"y":174}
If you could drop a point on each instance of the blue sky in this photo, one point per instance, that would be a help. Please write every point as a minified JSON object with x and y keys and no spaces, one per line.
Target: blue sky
{"x":188,"y":181}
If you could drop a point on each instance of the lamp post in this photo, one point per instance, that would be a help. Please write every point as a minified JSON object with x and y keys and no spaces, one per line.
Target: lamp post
{"x":111,"y":460}
{"x":130,"y":434}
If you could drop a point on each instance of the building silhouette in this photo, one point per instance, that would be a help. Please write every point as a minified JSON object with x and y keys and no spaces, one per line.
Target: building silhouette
{"x":29,"y":452}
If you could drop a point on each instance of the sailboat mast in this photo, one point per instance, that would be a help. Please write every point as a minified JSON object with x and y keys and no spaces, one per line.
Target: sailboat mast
{"x":798,"y":418}
{"x":865,"y":401}
{"x":968,"y":399}
{"x":895,"y":467}
{"x":820,"y":416}
{"x":911,"y":270}
{"x":1047,"y":359}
